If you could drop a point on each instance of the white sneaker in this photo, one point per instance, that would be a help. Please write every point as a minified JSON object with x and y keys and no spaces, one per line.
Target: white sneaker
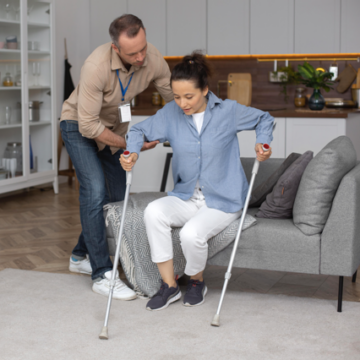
{"x":80,"y":266}
{"x":121,"y":291}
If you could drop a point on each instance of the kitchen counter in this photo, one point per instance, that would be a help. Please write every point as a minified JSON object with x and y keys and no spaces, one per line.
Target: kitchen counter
{"x":283,"y":113}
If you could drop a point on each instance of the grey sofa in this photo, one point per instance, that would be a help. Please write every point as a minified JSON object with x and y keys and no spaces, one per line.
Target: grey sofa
{"x":277,"y":244}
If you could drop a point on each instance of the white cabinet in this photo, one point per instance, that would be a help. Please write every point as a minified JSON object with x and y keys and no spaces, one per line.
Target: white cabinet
{"x":303,"y":134}
{"x":102,"y":13}
{"x":247,"y":141}
{"x":32,"y":25}
{"x":272,"y":27}
{"x":317,"y":26}
{"x":149,"y":168}
{"x":153,"y":15}
{"x":186,"y":27}
{"x":350,"y":26}
{"x":228,"y":27}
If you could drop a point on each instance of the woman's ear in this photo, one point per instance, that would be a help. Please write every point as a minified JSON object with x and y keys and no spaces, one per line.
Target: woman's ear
{"x":205,"y":91}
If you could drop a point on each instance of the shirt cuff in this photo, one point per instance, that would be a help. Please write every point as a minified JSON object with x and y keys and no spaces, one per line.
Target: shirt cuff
{"x":264,"y":139}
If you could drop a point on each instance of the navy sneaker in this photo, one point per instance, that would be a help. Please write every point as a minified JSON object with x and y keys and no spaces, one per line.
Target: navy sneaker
{"x":195,"y":293}
{"x":164,"y":297}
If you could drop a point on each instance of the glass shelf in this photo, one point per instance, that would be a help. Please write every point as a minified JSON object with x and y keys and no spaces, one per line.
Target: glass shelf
{"x":14,"y":126}
{"x":38,"y":25}
{"x":10,"y":88}
{"x":9,"y":22}
{"x":10,"y":51}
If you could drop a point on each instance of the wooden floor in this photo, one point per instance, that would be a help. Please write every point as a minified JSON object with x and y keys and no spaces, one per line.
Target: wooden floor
{"x":38,"y":230}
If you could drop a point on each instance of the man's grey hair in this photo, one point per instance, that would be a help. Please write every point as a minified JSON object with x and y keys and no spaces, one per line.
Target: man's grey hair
{"x":127,"y":23}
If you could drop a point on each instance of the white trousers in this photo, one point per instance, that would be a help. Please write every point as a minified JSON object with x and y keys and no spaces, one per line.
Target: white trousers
{"x":199,"y":223}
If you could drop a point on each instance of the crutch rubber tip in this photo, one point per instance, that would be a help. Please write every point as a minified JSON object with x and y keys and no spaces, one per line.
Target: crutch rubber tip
{"x":216,"y":320}
{"x":104,"y":333}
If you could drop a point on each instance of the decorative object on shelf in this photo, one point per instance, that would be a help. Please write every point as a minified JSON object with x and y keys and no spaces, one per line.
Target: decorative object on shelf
{"x":16,"y":8}
{"x":8,"y":80}
{"x":355,"y":94}
{"x":346,"y":78}
{"x":18,"y":78}
{"x":7,"y":115}
{"x":31,"y":155}
{"x":286,"y":76}
{"x":14,"y":151}
{"x":339,"y":103}
{"x":34,"y":110}
{"x":335,"y":70}
{"x":36,"y":71}
{"x":11,"y":42}
{"x":7,"y":9}
{"x":36,"y":45}
{"x":317,"y":80}
{"x":2,"y":44}
{"x":156,"y":100}
{"x":300,"y":98}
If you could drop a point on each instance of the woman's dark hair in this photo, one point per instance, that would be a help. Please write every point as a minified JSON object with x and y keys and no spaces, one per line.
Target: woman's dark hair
{"x":193,"y":67}
{"x":127,"y":23}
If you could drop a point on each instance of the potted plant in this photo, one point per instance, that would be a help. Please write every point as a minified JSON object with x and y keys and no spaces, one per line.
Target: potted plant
{"x":316,"y":79}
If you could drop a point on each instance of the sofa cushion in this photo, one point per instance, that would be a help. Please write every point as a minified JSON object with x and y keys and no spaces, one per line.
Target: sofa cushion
{"x":274,"y":244}
{"x":319,"y":184}
{"x":279,"y":203}
{"x":259,"y":194}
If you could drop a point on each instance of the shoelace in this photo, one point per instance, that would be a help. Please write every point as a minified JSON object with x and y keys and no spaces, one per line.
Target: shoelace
{"x":192,"y":286}
{"x":161,"y":290}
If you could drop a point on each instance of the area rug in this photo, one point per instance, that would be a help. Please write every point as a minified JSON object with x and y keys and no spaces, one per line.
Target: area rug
{"x":56,"y":316}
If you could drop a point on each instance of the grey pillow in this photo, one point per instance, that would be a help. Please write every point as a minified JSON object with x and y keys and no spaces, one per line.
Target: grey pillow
{"x":279,"y":203}
{"x":319,"y":184}
{"x":258,"y":195}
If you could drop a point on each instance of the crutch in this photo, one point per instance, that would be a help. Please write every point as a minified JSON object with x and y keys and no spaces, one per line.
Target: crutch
{"x":216,"y":319}
{"x":104,"y":332}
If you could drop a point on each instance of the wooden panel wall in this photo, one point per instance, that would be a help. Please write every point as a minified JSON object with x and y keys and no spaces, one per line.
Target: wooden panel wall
{"x":265,"y":95}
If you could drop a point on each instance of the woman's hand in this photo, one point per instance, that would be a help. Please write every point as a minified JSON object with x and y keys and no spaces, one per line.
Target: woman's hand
{"x":149,"y":145}
{"x":262,"y":155}
{"x":127,"y":164}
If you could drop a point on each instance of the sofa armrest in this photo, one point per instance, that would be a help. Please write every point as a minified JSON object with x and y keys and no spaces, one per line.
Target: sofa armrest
{"x":340,"y":240}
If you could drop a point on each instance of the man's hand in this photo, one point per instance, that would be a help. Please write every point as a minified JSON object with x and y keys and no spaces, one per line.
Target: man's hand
{"x":149,"y":145}
{"x":262,"y":155}
{"x":127,"y":164}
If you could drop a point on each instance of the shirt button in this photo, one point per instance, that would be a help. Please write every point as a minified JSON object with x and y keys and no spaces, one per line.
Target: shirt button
{"x":199,"y":142}
{"x":202,"y":187}
{"x":199,"y":157}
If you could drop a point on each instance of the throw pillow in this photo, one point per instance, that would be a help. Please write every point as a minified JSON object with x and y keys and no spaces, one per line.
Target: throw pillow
{"x":258,"y":195}
{"x":319,"y":184}
{"x":279,"y":203}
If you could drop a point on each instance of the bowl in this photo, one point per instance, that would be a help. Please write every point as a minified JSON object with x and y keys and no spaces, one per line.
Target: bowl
{"x":12,"y":45}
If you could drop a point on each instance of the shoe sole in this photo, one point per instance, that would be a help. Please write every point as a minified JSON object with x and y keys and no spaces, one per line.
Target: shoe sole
{"x":131,"y":297}
{"x":173,"y":299}
{"x":74,"y":270}
{"x":189,"y":305}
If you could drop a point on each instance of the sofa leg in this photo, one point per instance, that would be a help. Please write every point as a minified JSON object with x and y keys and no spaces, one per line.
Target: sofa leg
{"x":341,"y":286}
{"x":354,"y":277}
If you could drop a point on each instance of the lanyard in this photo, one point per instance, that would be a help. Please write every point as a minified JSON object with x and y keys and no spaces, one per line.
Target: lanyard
{"x":123,"y":92}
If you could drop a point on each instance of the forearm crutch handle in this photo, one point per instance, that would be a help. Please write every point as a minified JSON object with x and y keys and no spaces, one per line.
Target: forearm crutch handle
{"x":216,"y":319}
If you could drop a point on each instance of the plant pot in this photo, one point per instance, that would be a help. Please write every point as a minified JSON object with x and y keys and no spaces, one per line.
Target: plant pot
{"x":316,"y":101}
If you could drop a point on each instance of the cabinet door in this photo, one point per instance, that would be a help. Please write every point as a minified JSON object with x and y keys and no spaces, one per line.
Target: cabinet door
{"x":102,"y":13}
{"x":272,"y":27}
{"x":153,"y":15}
{"x":303,"y":134}
{"x":150,"y":167}
{"x":228,"y":27}
{"x":186,"y":27}
{"x":317,"y":26}
{"x":350,"y":26}
{"x":247,"y":141}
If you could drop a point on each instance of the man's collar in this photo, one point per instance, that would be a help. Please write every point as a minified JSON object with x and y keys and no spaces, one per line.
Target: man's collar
{"x":116,"y":62}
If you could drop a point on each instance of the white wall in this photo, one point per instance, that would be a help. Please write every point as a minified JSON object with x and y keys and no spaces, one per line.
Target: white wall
{"x":73,"y":23}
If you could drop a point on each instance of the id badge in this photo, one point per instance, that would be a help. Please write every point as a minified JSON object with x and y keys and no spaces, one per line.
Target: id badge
{"x":124,"y":112}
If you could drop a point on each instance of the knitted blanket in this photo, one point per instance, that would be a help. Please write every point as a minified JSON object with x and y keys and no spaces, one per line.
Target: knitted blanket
{"x":135,"y":256}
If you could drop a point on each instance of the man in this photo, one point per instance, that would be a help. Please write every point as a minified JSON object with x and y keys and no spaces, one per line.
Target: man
{"x":94,"y":137}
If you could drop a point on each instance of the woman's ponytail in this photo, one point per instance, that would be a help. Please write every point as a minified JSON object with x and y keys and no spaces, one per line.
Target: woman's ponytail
{"x":193,"y":67}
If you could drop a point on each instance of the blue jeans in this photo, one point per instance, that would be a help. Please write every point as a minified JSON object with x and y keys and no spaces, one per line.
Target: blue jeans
{"x":102,"y":180}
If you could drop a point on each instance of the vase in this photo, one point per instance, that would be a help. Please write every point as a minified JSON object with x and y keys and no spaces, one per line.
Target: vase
{"x":316,"y":101}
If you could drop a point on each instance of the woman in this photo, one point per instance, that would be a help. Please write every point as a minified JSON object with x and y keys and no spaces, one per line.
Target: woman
{"x":210,"y":184}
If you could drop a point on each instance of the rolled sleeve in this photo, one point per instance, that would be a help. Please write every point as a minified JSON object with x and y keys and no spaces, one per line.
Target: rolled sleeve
{"x":90,"y":101}
{"x":162,"y":82}
{"x":248,"y":118}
